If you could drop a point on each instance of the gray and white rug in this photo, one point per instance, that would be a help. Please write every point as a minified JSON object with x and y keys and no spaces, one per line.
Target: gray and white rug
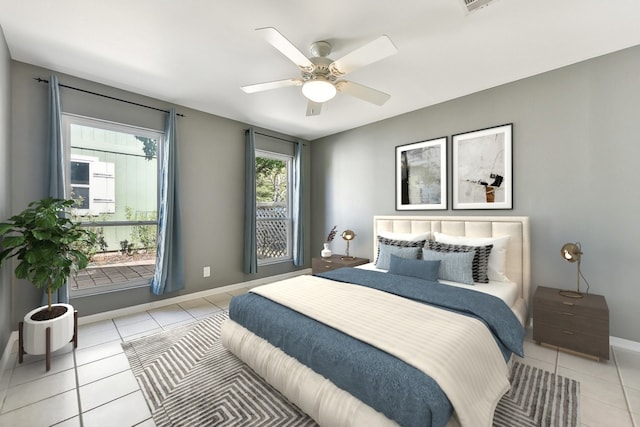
{"x":190,"y":379}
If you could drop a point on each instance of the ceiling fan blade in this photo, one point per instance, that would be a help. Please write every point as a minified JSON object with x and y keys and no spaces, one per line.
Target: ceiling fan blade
{"x":313,"y":108}
{"x":259,"y":87}
{"x":371,"y":52}
{"x":363,"y":92}
{"x":287,"y":48}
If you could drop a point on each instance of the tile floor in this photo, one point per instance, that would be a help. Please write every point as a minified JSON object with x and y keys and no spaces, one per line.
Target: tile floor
{"x":94,"y":386}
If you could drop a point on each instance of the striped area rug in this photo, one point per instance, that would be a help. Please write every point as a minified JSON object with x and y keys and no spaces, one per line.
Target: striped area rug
{"x":538,"y":398}
{"x":189,"y":379}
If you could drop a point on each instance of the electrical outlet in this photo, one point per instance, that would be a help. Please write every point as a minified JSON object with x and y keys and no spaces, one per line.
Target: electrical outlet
{"x":206,"y":272}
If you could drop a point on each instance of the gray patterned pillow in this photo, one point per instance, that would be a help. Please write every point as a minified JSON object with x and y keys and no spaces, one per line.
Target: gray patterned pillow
{"x":385,"y":251}
{"x":454,"y":266}
{"x":399,"y":243}
{"x":480,"y":260}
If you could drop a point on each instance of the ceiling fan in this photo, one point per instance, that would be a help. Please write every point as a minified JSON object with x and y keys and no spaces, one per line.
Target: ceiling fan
{"x":321,"y":76}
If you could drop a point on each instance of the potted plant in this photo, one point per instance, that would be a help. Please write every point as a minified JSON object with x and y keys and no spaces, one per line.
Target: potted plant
{"x":326,"y":251}
{"x":49,"y":247}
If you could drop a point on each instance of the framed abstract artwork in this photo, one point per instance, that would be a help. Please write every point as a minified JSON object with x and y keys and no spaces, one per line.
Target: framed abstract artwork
{"x":482,"y":168}
{"x":421,"y":175}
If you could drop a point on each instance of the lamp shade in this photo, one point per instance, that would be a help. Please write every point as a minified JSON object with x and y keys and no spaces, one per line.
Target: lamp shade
{"x":318,"y":90}
{"x":571,"y":252}
{"x":348,"y":235}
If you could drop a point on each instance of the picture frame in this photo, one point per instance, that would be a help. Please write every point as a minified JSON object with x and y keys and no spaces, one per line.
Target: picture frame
{"x":421,"y":175}
{"x":482,"y":168}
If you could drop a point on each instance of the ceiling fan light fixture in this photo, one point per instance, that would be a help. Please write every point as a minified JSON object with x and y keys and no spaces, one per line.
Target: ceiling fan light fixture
{"x":318,"y":90}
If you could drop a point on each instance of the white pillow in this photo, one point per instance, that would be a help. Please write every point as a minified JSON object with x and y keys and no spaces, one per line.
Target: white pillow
{"x":496,"y":269}
{"x":408,"y":237}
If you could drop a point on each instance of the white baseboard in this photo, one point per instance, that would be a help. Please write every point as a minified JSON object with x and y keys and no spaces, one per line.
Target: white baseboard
{"x":625,"y":344}
{"x":182,"y":298}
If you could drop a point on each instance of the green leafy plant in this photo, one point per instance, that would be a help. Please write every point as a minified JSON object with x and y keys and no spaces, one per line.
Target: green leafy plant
{"x":47,"y":244}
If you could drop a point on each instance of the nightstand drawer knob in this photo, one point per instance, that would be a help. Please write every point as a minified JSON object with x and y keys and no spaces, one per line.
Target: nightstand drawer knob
{"x":568,"y":332}
{"x":568,"y":303}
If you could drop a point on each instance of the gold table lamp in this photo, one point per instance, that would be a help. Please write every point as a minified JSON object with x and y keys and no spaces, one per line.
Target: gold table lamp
{"x":348,"y":235}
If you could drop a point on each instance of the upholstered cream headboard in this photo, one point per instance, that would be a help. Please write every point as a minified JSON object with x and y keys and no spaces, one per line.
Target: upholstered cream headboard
{"x":518,"y":267}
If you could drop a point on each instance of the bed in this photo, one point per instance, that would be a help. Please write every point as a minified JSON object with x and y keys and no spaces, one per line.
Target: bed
{"x":396,"y":349}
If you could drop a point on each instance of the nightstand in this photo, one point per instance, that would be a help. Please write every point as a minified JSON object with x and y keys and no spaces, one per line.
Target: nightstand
{"x":577,"y":324}
{"x":320,"y":265}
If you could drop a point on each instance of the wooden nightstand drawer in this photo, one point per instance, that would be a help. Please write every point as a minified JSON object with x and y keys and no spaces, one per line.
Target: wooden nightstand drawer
{"x":595,"y":345}
{"x":591,"y":307}
{"x":320,"y":265}
{"x":573,"y":322}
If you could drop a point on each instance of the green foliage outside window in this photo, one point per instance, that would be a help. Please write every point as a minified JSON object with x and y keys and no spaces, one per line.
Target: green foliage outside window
{"x":142,"y":236}
{"x":271,"y":180}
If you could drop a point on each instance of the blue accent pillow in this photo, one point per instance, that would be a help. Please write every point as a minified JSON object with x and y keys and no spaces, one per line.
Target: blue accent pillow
{"x":427,"y":270}
{"x":454,"y":266}
{"x":385,"y":252}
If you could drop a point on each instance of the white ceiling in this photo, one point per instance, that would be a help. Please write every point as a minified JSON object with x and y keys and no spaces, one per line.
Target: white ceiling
{"x":197,"y":53}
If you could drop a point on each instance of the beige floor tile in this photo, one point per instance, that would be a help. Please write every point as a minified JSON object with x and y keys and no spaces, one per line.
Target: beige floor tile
{"x":143,"y":334}
{"x":26,"y":371}
{"x":221,"y":300}
{"x":604,"y":369}
{"x":90,"y":337}
{"x":200,"y":308}
{"x":129,"y":410}
{"x":536,"y":363}
{"x":39,"y":389}
{"x":136,"y":328}
{"x":594,"y":413}
{"x":44,"y":413}
{"x":170,"y":314}
{"x":629,"y":365}
{"x":594,"y":388}
{"x":633,"y":398}
{"x":147,"y":423}
{"x":99,"y":326}
{"x":131,"y":318}
{"x":540,"y":352}
{"x":72,"y":422}
{"x":107,"y":389}
{"x":97,"y":352}
{"x":102,"y":368}
{"x":178,"y":324}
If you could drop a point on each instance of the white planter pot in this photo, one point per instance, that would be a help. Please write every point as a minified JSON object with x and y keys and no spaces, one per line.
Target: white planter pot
{"x":34,"y":332}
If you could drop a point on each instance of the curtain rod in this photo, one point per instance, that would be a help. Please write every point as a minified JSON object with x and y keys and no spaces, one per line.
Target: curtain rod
{"x":41,"y":80}
{"x":276,"y":137}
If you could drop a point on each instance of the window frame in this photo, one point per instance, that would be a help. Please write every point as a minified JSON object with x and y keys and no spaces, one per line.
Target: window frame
{"x":288,"y":159}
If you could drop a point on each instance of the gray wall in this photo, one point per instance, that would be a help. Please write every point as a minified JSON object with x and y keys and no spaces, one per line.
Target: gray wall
{"x":576,"y":153}
{"x":5,"y":185}
{"x":211,"y":161}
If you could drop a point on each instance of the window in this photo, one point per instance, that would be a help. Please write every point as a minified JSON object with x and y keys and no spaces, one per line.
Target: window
{"x":113,"y":176}
{"x":273,"y":207}
{"x":92,"y":185}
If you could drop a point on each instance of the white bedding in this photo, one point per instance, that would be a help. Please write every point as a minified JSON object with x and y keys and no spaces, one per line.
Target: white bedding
{"x":506,"y":291}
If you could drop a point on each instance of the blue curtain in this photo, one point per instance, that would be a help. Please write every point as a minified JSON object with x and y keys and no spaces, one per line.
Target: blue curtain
{"x":298,"y":212}
{"x":169,"y":273}
{"x":250,"y":240}
{"x":57,"y":187}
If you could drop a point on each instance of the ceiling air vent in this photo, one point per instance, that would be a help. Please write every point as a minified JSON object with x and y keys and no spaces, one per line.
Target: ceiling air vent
{"x":472,"y":5}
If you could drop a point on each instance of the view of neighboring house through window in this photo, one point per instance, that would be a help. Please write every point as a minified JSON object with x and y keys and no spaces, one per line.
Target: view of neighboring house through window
{"x":113,"y":176}
{"x":273,"y":207}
